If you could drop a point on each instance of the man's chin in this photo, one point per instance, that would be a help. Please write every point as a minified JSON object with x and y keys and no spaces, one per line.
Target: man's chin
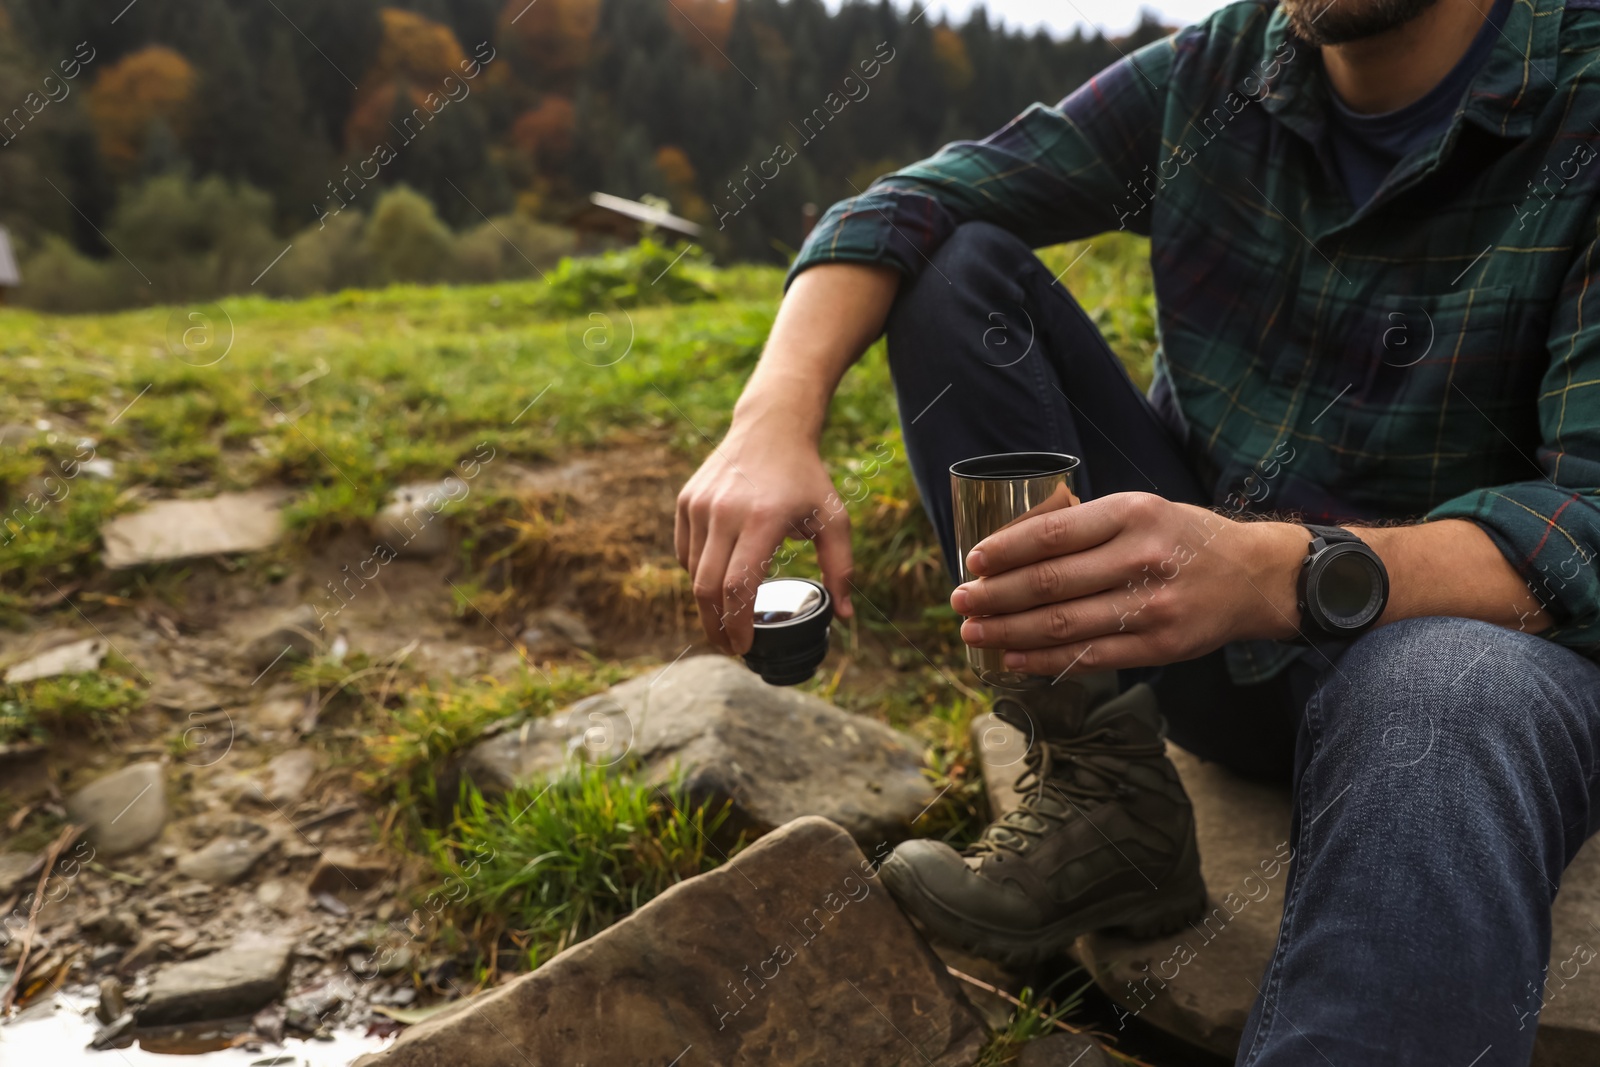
{"x":1321,"y":22}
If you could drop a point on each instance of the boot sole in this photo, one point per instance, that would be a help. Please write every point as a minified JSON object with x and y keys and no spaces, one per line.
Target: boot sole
{"x":1139,"y":916}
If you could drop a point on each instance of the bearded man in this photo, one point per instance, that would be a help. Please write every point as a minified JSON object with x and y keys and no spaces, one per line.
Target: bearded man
{"x":1346,"y":541}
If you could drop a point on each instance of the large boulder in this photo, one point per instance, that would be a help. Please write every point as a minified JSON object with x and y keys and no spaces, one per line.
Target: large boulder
{"x":775,"y":753}
{"x":791,"y":953}
{"x":1200,"y":985}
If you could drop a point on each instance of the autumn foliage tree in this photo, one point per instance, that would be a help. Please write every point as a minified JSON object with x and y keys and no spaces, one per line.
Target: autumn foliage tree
{"x":553,"y":36}
{"x":705,"y":26}
{"x":415,"y":56}
{"x":154,"y":84}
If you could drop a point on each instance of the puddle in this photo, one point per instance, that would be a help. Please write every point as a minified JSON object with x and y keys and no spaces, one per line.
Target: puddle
{"x":57,"y":1032}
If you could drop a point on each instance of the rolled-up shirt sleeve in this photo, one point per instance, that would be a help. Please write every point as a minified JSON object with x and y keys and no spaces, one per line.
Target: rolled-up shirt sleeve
{"x":1051,"y":174}
{"x":1549,"y":528}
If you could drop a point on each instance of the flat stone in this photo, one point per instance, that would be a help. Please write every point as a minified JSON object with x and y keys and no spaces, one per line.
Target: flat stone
{"x":342,"y":869}
{"x":184,"y":529}
{"x":774,"y":753}
{"x":235,"y":981}
{"x":124,"y":811}
{"x":291,"y":635}
{"x":78,"y":657}
{"x":225,"y":860}
{"x":284,"y":779}
{"x":1063,"y":1050}
{"x":791,"y":953}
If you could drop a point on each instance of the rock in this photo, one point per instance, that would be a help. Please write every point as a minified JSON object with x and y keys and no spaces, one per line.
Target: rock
{"x":113,"y":1000}
{"x":15,"y":868}
{"x":412,"y":523}
{"x":284,"y":897}
{"x":279,"y":713}
{"x":293,"y":634}
{"x":341,"y":869}
{"x":78,"y":657}
{"x":1063,"y":1050}
{"x":330,"y":904}
{"x":999,"y":749}
{"x":309,"y":1010}
{"x":284,"y":779}
{"x":555,"y":630}
{"x":225,"y":860}
{"x":184,"y":529}
{"x":791,"y":953}
{"x":235,"y":981}
{"x":775,"y":753}
{"x":184,"y":694}
{"x":124,"y":811}
{"x":109,"y":1035}
{"x":115,"y":926}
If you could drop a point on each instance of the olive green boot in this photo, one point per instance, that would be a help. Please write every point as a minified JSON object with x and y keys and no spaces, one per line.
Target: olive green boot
{"x":1103,"y":837}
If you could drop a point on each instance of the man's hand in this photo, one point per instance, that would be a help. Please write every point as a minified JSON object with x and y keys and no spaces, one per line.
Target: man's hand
{"x":1128,"y":580}
{"x":766,"y":481}
{"x":756,"y":489}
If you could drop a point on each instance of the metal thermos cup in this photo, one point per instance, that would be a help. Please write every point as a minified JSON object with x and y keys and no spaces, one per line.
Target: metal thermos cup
{"x":990,"y":493}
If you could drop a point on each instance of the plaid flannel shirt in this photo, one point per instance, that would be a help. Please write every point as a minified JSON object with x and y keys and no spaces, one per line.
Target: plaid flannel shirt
{"x":1433,"y":353}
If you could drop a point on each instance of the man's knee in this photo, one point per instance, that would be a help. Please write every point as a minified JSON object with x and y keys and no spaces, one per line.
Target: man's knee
{"x":1449,"y":696}
{"x":978,"y":266}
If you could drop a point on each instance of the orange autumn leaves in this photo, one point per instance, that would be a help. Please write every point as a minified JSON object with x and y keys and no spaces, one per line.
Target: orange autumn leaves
{"x":154,"y":84}
{"x":555,"y":38}
{"x":415,"y":56}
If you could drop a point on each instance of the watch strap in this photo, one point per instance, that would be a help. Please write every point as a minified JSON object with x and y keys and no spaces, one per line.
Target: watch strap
{"x":1329,"y":535}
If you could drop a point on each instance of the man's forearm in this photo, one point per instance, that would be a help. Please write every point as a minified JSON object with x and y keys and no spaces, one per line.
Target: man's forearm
{"x":1449,"y":567}
{"x":830,"y":315}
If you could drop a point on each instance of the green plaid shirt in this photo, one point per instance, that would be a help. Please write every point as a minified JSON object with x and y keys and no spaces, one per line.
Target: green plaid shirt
{"x":1433,"y":353}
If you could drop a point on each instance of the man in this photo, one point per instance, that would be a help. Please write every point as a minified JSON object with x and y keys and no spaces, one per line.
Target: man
{"x":1373,"y":236}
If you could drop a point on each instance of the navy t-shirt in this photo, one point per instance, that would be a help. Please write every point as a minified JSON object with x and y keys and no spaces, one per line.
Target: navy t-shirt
{"x":1365,"y":148}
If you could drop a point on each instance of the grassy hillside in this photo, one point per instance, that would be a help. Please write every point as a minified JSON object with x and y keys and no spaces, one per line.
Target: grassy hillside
{"x":342,"y":398}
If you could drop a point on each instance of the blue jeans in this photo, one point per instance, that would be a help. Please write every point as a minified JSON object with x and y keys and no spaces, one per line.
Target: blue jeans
{"x":1444,"y":770}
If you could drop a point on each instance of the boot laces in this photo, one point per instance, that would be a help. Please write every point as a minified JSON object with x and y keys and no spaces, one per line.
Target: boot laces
{"x":1068,"y":768}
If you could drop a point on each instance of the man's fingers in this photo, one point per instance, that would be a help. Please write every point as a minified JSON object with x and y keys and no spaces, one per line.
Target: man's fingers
{"x":1056,"y":533}
{"x":837,"y":563}
{"x":681,"y":533}
{"x":709,"y":573}
{"x":1034,"y":585}
{"x":1115,"y":652}
{"x":1052,"y":625}
{"x":747,"y":567}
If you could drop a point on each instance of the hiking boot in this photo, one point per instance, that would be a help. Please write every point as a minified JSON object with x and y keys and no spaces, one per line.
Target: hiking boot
{"x":1103,"y":837}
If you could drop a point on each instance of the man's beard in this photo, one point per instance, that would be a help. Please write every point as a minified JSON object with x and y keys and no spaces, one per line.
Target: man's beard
{"x":1320,"y":22}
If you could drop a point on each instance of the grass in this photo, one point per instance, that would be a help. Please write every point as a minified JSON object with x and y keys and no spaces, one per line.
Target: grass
{"x":547,"y":867}
{"x":344,"y":397}
{"x":68,"y":703}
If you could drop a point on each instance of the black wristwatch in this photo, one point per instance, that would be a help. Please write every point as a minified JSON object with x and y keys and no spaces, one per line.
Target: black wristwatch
{"x":1343,"y":588}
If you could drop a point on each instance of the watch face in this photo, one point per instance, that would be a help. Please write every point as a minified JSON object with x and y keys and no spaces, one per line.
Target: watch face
{"x":1349,"y":588}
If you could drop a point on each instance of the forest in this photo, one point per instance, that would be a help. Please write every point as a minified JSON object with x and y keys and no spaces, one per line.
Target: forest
{"x":170,"y":149}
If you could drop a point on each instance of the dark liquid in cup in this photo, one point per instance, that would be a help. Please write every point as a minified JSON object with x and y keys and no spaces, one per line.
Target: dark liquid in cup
{"x":767,"y":617}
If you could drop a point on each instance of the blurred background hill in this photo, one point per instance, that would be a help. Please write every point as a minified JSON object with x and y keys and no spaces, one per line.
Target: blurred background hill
{"x":451,"y":140}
